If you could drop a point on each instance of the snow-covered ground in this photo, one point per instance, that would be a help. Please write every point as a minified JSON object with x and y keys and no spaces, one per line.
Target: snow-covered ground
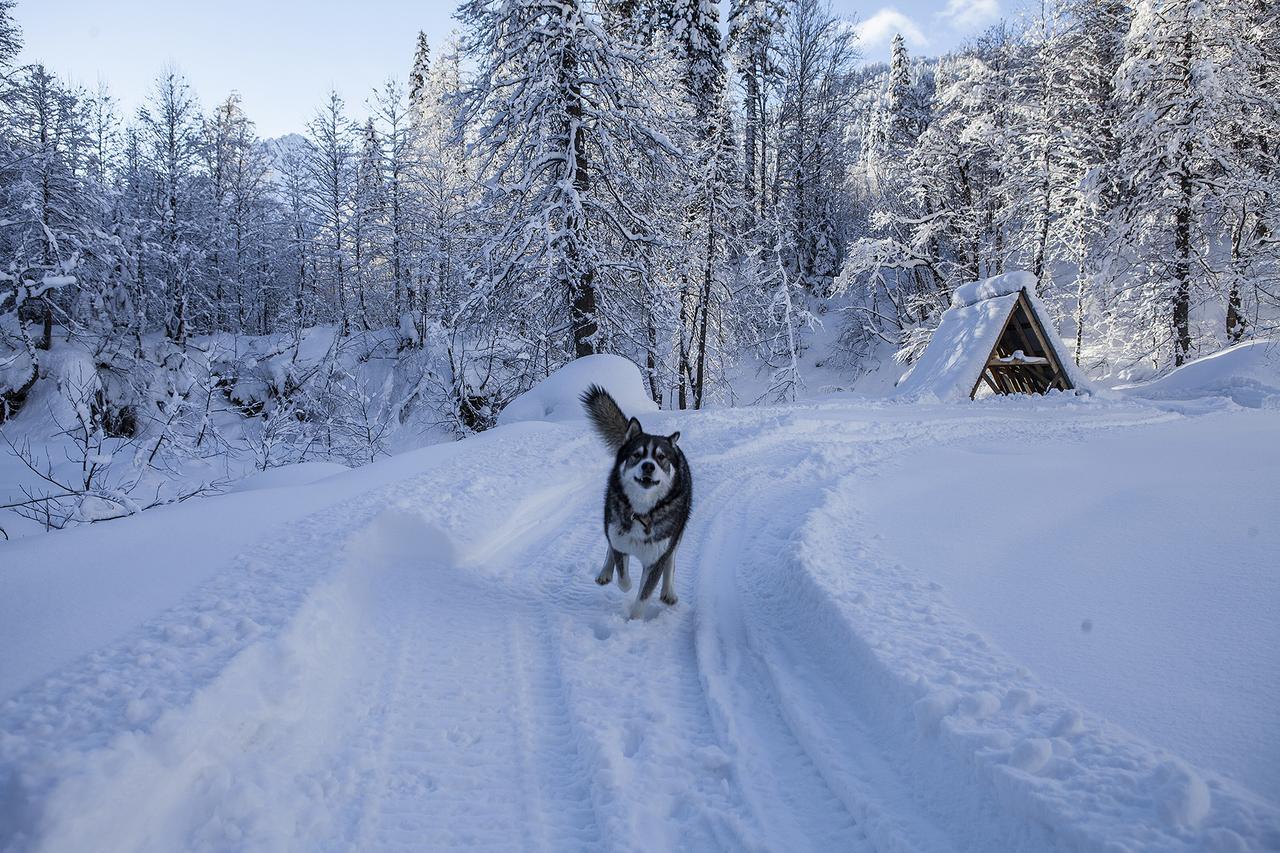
{"x":1018,"y":624}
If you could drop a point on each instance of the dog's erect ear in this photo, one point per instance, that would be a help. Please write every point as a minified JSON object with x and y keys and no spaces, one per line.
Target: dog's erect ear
{"x":674,"y":437}
{"x":633,"y":429}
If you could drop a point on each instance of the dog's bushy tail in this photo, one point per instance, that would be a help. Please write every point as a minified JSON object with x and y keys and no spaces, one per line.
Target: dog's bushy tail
{"x":606,"y":417}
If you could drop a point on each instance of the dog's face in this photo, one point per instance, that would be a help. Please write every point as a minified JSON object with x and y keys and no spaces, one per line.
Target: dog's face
{"x":647,"y":463}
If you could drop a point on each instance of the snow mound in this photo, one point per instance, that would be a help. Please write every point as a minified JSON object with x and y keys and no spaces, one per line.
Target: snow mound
{"x":1247,"y":373}
{"x":285,"y":476}
{"x":556,"y":398}
{"x":989,"y":288}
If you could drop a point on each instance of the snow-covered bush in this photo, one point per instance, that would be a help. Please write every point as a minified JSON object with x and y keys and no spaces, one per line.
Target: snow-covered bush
{"x":559,"y":396}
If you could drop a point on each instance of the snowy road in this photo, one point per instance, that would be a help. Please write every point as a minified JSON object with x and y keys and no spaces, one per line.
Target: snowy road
{"x":426,"y":664}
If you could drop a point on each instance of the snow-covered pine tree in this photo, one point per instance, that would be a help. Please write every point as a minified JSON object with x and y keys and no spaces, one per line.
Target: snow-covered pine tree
{"x":754,"y":29}
{"x":908,"y":116}
{"x":218,"y":131}
{"x":1085,"y":58}
{"x":297,"y":258}
{"x":447,"y":220}
{"x":817,"y":58}
{"x":367,"y":225}
{"x":251,"y":217}
{"x":49,"y":217}
{"x":1036,"y":178}
{"x":104,"y":134}
{"x":1245,"y":37}
{"x":131,"y":225}
{"x":421,"y":68}
{"x":399,"y":197}
{"x":712,"y":209}
{"x":561,"y":129}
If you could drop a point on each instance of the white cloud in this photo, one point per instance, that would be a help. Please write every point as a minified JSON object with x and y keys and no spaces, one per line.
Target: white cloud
{"x":971,"y":14}
{"x":878,"y":30}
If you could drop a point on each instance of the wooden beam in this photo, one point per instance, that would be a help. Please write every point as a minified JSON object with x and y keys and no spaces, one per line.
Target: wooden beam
{"x":1029,"y":361}
{"x":1059,"y":373}
{"x":991,"y":354}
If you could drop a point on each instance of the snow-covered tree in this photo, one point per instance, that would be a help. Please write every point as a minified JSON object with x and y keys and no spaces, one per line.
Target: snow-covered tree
{"x":817,"y":56}
{"x":420,"y":70}
{"x":1170,"y":87}
{"x":170,"y":140}
{"x":328,"y":194}
{"x":754,"y":29}
{"x":563,"y":136}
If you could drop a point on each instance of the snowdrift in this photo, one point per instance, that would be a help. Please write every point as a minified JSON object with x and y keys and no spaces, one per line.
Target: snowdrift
{"x":557,"y":398}
{"x":1248,"y":374}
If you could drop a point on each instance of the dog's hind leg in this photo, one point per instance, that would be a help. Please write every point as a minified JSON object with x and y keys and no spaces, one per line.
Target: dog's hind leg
{"x":624,"y":579}
{"x":606,"y":573}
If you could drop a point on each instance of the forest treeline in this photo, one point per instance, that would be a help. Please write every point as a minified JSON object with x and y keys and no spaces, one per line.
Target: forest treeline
{"x":643,"y":178}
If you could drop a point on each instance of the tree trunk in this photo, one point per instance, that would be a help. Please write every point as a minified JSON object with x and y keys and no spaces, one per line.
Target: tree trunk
{"x":651,"y":359}
{"x":1235,"y":318}
{"x":699,"y":382}
{"x":580,"y":282}
{"x":1182,"y":273}
{"x":749,"y":139}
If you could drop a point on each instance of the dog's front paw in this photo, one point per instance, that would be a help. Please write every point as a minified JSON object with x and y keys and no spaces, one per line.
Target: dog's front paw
{"x":603,"y":580}
{"x":669,"y":598}
{"x":624,"y":582}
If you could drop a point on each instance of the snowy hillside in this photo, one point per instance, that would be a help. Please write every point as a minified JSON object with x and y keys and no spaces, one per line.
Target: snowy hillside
{"x":1013,"y":625}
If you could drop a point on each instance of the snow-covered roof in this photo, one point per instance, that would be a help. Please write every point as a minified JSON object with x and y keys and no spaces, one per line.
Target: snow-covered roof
{"x":988,"y":288}
{"x":958,"y":351}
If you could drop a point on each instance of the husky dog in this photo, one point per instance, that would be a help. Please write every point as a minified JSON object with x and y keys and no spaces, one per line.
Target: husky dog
{"x":646,"y":502}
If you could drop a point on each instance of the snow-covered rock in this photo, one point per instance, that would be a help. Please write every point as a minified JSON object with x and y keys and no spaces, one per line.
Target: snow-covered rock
{"x":557,"y":398}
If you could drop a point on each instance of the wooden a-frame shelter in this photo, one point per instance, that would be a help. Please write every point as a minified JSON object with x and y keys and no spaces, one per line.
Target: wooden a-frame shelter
{"x":1022,"y":361}
{"x":993,"y":335}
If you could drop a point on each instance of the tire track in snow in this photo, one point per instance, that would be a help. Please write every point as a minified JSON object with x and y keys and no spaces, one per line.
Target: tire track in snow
{"x":451,"y":745}
{"x":818,"y":776}
{"x":495,"y":764}
{"x":767,"y":666}
{"x":771,"y":635}
{"x":635,"y":705}
{"x":737,"y":539}
{"x":259,"y":746}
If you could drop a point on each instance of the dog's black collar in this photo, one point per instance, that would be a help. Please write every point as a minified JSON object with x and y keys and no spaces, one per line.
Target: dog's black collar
{"x":646,"y":520}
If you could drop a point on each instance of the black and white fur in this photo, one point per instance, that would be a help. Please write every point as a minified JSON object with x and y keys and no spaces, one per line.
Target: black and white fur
{"x":646,"y":502}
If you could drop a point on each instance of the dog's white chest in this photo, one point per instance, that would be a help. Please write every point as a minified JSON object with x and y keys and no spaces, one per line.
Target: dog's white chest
{"x":633,"y":543}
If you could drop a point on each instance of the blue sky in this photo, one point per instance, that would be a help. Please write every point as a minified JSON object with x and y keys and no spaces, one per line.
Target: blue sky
{"x":283,"y":55}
